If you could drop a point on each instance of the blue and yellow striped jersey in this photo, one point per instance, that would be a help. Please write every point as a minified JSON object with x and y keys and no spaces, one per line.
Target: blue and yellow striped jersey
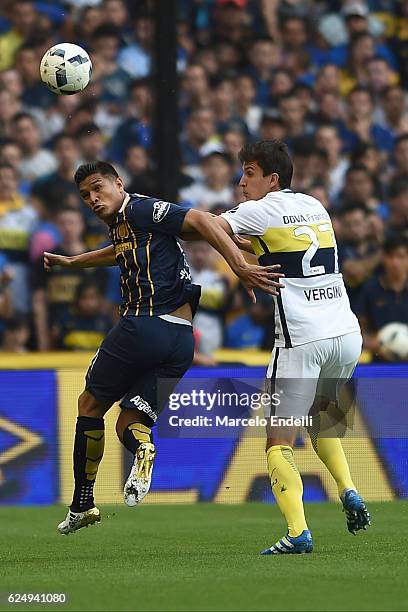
{"x":155,"y":278}
{"x":295,"y":230}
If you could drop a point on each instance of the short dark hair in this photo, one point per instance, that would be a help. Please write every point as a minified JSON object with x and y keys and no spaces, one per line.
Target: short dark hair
{"x":106,"y":30}
{"x":393,"y":242}
{"x":87,"y":129}
{"x":361,"y":89}
{"x":399,"y":139}
{"x":85,"y":285}
{"x":96,"y":167}
{"x":389,"y":88}
{"x":7,"y":166}
{"x":218,"y":155}
{"x":358,"y":168}
{"x":271,"y":156}
{"x":23,"y":115}
{"x":352,"y":206}
{"x":60,"y":137}
{"x":397,"y":187}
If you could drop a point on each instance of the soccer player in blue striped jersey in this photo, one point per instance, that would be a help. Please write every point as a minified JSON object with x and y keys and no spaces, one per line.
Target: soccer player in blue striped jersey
{"x":153,"y":339}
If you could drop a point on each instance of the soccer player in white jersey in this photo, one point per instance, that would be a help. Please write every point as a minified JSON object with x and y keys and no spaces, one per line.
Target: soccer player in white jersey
{"x":318,"y":339}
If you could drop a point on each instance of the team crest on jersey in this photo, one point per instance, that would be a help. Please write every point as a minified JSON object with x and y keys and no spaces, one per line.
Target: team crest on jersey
{"x":122,"y":231}
{"x":160,"y":210}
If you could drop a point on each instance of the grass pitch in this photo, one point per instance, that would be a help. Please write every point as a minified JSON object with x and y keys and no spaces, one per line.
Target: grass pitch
{"x":204,"y":557}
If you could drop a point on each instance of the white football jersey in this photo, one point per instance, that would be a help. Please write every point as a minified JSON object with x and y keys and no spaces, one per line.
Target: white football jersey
{"x":295,"y":230}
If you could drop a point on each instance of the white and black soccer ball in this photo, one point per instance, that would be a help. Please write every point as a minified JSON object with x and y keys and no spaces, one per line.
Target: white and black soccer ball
{"x":394,"y":341}
{"x":66,"y":69}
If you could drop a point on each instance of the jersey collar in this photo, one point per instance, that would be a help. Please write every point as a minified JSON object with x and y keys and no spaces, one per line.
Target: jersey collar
{"x":124,"y":204}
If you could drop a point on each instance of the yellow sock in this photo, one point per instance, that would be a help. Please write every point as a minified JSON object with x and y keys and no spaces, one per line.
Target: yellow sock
{"x":330,"y":452}
{"x":287,"y":487}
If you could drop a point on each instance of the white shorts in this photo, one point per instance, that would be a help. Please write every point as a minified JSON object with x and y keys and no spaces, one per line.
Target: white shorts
{"x":298,"y":375}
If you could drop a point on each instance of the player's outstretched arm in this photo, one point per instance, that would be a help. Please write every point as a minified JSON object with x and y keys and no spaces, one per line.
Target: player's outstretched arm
{"x":92,"y":259}
{"x":243,"y":244}
{"x":218,"y":233}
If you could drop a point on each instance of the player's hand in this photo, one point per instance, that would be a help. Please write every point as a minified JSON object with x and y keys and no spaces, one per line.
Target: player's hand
{"x":51,"y":260}
{"x":266,"y":278}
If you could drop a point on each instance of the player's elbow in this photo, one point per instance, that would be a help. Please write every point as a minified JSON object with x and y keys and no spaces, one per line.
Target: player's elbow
{"x":197,"y":221}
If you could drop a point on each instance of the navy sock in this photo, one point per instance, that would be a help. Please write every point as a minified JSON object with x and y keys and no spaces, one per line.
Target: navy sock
{"x":88,"y":451}
{"x":135,"y":434}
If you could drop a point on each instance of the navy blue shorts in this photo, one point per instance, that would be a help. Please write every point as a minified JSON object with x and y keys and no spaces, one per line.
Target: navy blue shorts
{"x":135,"y":356}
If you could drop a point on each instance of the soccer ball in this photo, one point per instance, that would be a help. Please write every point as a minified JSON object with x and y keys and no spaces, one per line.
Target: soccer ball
{"x":66,"y":69}
{"x":394,"y":341}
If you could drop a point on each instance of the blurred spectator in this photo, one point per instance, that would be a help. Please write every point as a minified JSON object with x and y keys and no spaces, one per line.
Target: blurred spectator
{"x":398,"y":202}
{"x":384,"y":298}
{"x":401,"y":156}
{"x":393,"y":104}
{"x":135,"y":129}
{"x":216,"y":187}
{"x":198,"y":140}
{"x":195,"y":89}
{"x":359,"y":257}
{"x":263,"y":58}
{"x":34,"y":93}
{"x":135,"y":58}
{"x":327,"y":139}
{"x":57,"y":186}
{"x":356,"y":72}
{"x":283,"y":82}
{"x":272,"y":127}
{"x":359,"y":186}
{"x":54,"y":292}
{"x":10,"y":105}
{"x":233,"y":141}
{"x":83,"y":326}
{"x":90,"y":141}
{"x":24,"y":20}
{"x":222,"y":103}
{"x":88,"y":19}
{"x":359,"y":126}
{"x":327,"y":80}
{"x":17,"y":220}
{"x":209,"y":318}
{"x":16,"y":334}
{"x":379,"y":75}
{"x":106,"y":41}
{"x":37,"y":161}
{"x":293,"y":115}
{"x":255,"y":328}
{"x":116,"y":13}
{"x":247,"y":110}
{"x":141,"y":176}
{"x":367,"y":155}
{"x":45,"y":235}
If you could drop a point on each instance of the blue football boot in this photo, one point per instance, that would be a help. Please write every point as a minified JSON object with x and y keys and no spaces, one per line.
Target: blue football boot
{"x":357,"y":515}
{"x":292,"y":546}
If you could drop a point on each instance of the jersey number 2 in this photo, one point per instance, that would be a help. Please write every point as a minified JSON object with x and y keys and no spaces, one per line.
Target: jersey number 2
{"x":306,"y":230}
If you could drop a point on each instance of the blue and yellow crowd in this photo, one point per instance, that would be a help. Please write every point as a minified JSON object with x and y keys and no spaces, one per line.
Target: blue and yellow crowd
{"x":327,"y":77}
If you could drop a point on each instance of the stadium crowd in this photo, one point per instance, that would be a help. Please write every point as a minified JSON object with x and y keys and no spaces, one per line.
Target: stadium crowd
{"x":327,"y":77}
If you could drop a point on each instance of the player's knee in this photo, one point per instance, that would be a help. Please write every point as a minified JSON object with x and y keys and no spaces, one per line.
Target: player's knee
{"x":89,"y":406}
